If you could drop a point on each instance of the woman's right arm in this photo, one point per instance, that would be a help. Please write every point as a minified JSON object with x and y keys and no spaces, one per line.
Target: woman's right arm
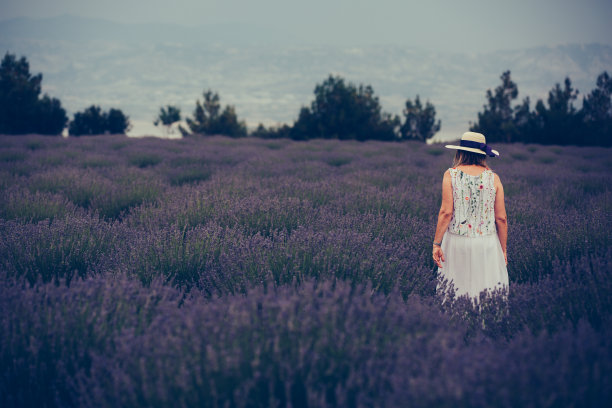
{"x":444,"y":217}
{"x":501,"y":221}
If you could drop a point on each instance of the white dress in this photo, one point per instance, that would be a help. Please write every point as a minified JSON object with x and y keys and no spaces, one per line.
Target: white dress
{"x":474,"y":260}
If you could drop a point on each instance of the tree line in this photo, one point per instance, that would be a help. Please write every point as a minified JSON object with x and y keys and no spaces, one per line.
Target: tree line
{"x":23,"y":110}
{"x":339,"y":110}
{"x":557,"y":121}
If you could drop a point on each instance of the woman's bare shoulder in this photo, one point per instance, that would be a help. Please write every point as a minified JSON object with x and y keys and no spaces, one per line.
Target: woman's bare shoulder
{"x":496,"y":179}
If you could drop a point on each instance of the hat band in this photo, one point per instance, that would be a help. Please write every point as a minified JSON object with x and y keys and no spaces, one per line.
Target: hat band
{"x":476,"y":145}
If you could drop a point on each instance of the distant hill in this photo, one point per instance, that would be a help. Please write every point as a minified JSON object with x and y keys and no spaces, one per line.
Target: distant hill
{"x":268,"y":75}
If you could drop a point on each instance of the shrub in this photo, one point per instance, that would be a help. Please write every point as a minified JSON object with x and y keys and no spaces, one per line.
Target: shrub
{"x":34,"y":207}
{"x":187,"y":176}
{"x":8,"y":156}
{"x":344,"y":111}
{"x":105,"y":340}
{"x":144,"y":160}
{"x":338,"y":161}
{"x":209,"y":119}
{"x":55,"y":250}
{"x":282,"y":278}
{"x":435,"y":152}
{"x":272,"y":132}
{"x":93,"y":121}
{"x":22,"y":110}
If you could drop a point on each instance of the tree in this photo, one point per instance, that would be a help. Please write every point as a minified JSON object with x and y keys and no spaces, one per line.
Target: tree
{"x":93,"y":121}
{"x":557,"y":124}
{"x":522,"y":115}
{"x":50,"y":117}
{"x":344,"y":111}
{"x":305,"y":127}
{"x":597,"y":105}
{"x":117,"y":122}
{"x":167,"y":116}
{"x":556,"y":121}
{"x":597,"y":112}
{"x":209,"y":119}
{"x":497,"y":121}
{"x":272,"y":132}
{"x":22,"y":110}
{"x":420,"y":123}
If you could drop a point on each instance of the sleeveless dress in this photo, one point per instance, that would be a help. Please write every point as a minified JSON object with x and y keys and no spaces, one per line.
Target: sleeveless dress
{"x":474,"y":260}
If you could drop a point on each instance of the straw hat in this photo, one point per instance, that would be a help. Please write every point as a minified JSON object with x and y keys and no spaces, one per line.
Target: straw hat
{"x":474,"y":142}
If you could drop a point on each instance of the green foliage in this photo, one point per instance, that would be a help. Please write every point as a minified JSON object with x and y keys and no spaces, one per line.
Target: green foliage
{"x":188,"y":176}
{"x":34,"y":145}
{"x":49,"y":118}
{"x":25,"y":206}
{"x":12,"y":156}
{"x":557,"y":121}
{"x":117,"y":202}
{"x":498,"y":121}
{"x":97,"y":163}
{"x":597,"y":112}
{"x":93,"y":121}
{"x":343,"y":111}
{"x":89,"y":122}
{"x":118,"y":146}
{"x":144,"y":160}
{"x":116,"y":122}
{"x":338,"y":161}
{"x":65,"y":248}
{"x":273,"y":132}
{"x":21,"y":108}
{"x":435,"y":152}
{"x":546,"y":159}
{"x":167,"y":116}
{"x":88,"y":189}
{"x":420,"y":122}
{"x":209,"y":119}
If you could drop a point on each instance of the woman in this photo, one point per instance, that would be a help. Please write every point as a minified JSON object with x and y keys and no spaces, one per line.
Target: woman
{"x":470,"y":242}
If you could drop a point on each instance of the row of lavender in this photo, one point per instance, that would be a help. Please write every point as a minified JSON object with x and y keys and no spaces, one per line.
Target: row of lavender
{"x":266,"y":273}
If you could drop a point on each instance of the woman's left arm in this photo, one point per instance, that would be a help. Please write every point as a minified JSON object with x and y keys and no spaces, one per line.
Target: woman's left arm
{"x":444,"y":217}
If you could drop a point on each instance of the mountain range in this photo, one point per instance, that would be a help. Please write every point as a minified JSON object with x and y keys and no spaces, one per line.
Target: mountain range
{"x":268,"y":75}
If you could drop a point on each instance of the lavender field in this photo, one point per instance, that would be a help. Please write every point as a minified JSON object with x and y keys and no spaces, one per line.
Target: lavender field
{"x":247,"y":272}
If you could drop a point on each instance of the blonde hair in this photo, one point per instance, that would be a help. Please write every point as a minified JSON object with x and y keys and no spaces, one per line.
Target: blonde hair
{"x":466,"y":158}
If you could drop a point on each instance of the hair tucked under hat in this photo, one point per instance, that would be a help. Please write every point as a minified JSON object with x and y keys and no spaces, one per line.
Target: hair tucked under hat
{"x":475,"y":143}
{"x":469,"y":158}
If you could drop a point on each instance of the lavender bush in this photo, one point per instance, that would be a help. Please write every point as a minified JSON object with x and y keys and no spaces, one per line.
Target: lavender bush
{"x":109,"y":341}
{"x":254,"y":273}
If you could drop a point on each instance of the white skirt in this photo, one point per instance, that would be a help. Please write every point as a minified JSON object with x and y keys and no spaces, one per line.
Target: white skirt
{"x":473,"y":264}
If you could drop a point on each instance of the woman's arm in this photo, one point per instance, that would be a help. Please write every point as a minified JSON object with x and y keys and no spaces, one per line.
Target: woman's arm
{"x":501,"y":221}
{"x":444,"y":217}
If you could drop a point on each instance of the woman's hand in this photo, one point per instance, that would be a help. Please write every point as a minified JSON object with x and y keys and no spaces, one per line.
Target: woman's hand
{"x":438,"y":255}
{"x":505,"y":257}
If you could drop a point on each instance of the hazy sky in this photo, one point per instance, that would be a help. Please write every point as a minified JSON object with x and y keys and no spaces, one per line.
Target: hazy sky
{"x":478,"y":25}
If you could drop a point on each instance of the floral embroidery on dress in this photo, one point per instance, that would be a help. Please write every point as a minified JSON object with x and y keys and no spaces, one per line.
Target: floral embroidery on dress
{"x":473,"y":203}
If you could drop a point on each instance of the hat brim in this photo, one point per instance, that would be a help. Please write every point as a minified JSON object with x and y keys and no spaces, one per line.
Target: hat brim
{"x":470,"y":149}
